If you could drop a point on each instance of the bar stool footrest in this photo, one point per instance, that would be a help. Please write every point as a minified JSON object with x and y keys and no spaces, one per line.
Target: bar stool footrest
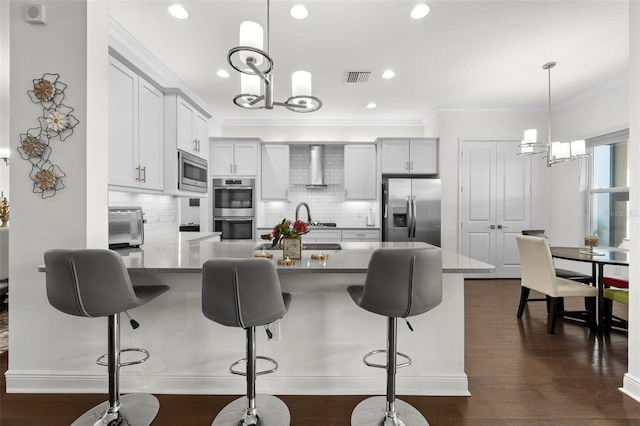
{"x":371,"y":364}
{"x":101,"y":360}
{"x":258,"y":373}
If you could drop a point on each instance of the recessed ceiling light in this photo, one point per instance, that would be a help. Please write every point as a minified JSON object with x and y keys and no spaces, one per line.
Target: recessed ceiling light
{"x":223,"y":73}
{"x":420,"y":11}
{"x":178,"y":11}
{"x":388,"y":74}
{"x":371,"y":105}
{"x":299,"y":11}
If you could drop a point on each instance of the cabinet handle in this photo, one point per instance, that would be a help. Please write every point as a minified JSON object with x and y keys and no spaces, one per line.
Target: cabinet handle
{"x":411,"y":165}
{"x":235,"y":168}
{"x":502,"y":227}
{"x":346,"y":192}
{"x":406,"y":165}
{"x":230,"y":168}
{"x":144,"y":174}
{"x":195,"y":145}
{"x":492,"y":227}
{"x":286,"y":192}
{"x":138,"y":174}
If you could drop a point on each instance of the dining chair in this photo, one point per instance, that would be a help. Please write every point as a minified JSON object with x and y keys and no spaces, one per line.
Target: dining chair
{"x":538,"y":273}
{"x":611,"y":320}
{"x":562,"y":273}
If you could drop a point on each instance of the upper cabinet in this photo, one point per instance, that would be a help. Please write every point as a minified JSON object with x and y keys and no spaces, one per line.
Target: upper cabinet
{"x":275,"y":172}
{"x":189,"y":126}
{"x":135,"y":130}
{"x":360,"y":172}
{"x":414,"y":156}
{"x":234,"y":159}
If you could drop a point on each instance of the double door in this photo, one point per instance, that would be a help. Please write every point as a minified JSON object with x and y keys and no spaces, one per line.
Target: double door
{"x":495,"y":204}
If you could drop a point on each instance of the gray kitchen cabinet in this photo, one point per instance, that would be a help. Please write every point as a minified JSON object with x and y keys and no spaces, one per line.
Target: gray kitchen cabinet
{"x":275,"y":172}
{"x":366,"y":235}
{"x":135,"y":130}
{"x":410,"y":156}
{"x":233,"y":159}
{"x":360,"y":172}
{"x":188,"y":126}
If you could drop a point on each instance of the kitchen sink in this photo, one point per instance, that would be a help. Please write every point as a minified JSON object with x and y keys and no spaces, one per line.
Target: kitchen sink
{"x":322,"y":225}
{"x":305,"y":246}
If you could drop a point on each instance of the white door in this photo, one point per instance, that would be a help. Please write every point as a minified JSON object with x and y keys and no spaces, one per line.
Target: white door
{"x":495,"y":204}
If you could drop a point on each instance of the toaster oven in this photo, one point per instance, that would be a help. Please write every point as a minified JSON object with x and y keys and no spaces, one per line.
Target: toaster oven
{"x":126,"y":227}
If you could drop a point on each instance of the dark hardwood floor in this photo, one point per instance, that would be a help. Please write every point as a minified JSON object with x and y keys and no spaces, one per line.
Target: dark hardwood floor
{"x":518,"y":375}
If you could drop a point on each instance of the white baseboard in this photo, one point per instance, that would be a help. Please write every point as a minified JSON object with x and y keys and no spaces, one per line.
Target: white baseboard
{"x":47,"y":382}
{"x":631,"y":386}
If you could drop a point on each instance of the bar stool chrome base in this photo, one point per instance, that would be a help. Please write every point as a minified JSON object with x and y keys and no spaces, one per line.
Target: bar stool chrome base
{"x":271,"y":411}
{"x":136,"y":409}
{"x":372,"y":412}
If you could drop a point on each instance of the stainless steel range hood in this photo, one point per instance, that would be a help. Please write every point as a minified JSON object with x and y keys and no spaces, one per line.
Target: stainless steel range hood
{"x":316,"y":167}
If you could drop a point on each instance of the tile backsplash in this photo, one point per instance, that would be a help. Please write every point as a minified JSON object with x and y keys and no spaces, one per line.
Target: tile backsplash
{"x":160,"y":211}
{"x":327,"y":205}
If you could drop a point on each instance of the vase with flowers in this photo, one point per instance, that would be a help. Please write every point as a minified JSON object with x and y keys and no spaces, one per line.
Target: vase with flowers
{"x":287,"y":236}
{"x":4,"y":211}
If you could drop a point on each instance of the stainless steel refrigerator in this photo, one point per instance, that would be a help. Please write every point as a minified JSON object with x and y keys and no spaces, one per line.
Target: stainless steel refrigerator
{"x":411,"y":210}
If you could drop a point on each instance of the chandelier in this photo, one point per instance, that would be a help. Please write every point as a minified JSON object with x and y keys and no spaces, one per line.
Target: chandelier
{"x":556,"y":152}
{"x":256,"y":81}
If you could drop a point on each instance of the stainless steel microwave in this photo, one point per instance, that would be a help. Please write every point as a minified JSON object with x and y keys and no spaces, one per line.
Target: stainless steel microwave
{"x":192,"y":172}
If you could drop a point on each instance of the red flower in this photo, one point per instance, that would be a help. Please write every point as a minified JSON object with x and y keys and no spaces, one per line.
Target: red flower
{"x":300,"y":227}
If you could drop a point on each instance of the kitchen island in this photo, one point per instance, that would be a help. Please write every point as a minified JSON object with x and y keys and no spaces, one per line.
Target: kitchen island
{"x":319,"y":344}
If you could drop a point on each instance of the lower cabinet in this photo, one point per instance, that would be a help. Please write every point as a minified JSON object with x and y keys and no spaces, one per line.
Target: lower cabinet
{"x":368,"y":235}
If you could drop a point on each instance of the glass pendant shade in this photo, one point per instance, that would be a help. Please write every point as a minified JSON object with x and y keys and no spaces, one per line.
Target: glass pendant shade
{"x":530,"y":136}
{"x":251,"y":35}
{"x":578,"y":148}
{"x":301,"y":83}
{"x":560,"y":151}
{"x":250,"y":84}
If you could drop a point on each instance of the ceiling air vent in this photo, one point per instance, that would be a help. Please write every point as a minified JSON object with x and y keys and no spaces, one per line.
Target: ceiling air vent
{"x":357,"y":77}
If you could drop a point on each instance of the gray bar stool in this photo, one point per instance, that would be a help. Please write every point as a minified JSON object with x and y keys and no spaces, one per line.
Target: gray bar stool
{"x":95,"y":283}
{"x":400,"y":283}
{"x":246,"y":293}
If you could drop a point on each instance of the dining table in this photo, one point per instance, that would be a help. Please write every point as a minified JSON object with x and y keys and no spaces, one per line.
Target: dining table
{"x":601,"y":256}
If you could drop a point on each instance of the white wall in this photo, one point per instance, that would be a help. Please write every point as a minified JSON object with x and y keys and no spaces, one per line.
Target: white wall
{"x":77,"y":215}
{"x":313,"y":131}
{"x":487,"y":125}
{"x":4,"y":93}
{"x":632,"y":378}
{"x":604,"y":113}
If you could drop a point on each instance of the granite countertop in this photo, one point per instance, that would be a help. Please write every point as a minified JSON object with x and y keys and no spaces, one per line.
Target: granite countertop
{"x":342,"y":228}
{"x":173,"y":254}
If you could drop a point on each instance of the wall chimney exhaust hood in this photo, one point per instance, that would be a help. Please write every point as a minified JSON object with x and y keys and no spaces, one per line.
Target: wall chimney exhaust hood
{"x":316,"y":167}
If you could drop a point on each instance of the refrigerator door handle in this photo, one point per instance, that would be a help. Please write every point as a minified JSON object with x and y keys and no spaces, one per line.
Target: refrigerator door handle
{"x":414,"y":217}
{"x":409,"y":216}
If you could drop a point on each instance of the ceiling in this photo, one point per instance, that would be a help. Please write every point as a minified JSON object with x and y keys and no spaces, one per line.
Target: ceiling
{"x":464,"y":54}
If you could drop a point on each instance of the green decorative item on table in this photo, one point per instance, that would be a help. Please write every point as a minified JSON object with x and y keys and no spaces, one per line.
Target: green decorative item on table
{"x":287,"y":235}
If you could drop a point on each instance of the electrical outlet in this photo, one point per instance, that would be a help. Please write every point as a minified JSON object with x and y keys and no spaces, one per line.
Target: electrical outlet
{"x":617,"y":270}
{"x":274,"y":328}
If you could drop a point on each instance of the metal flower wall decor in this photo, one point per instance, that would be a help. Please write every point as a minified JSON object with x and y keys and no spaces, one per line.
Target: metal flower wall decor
{"x":56,"y":123}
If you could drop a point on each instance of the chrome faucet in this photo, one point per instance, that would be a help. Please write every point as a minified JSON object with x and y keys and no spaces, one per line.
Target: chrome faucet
{"x":308,"y":212}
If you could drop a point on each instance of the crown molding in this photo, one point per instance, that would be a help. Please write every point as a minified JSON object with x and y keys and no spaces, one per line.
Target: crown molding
{"x":323,"y":123}
{"x":609,"y":86}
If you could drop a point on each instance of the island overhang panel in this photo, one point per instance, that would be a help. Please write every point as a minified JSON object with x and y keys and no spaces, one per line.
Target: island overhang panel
{"x":320,"y":345}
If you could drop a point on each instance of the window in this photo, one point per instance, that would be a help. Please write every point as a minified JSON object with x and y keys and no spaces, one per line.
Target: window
{"x":609,"y":188}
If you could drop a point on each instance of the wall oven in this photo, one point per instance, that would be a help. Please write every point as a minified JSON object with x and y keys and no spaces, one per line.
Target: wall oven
{"x":192,"y":172}
{"x":234,"y":208}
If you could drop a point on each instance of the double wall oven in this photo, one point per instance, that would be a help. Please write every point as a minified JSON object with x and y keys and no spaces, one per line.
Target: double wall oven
{"x":234,"y":208}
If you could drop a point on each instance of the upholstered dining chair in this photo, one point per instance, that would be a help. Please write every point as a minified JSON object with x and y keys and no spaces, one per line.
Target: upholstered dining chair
{"x":538,"y":273}
{"x":610,"y":320}
{"x":562,"y":273}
